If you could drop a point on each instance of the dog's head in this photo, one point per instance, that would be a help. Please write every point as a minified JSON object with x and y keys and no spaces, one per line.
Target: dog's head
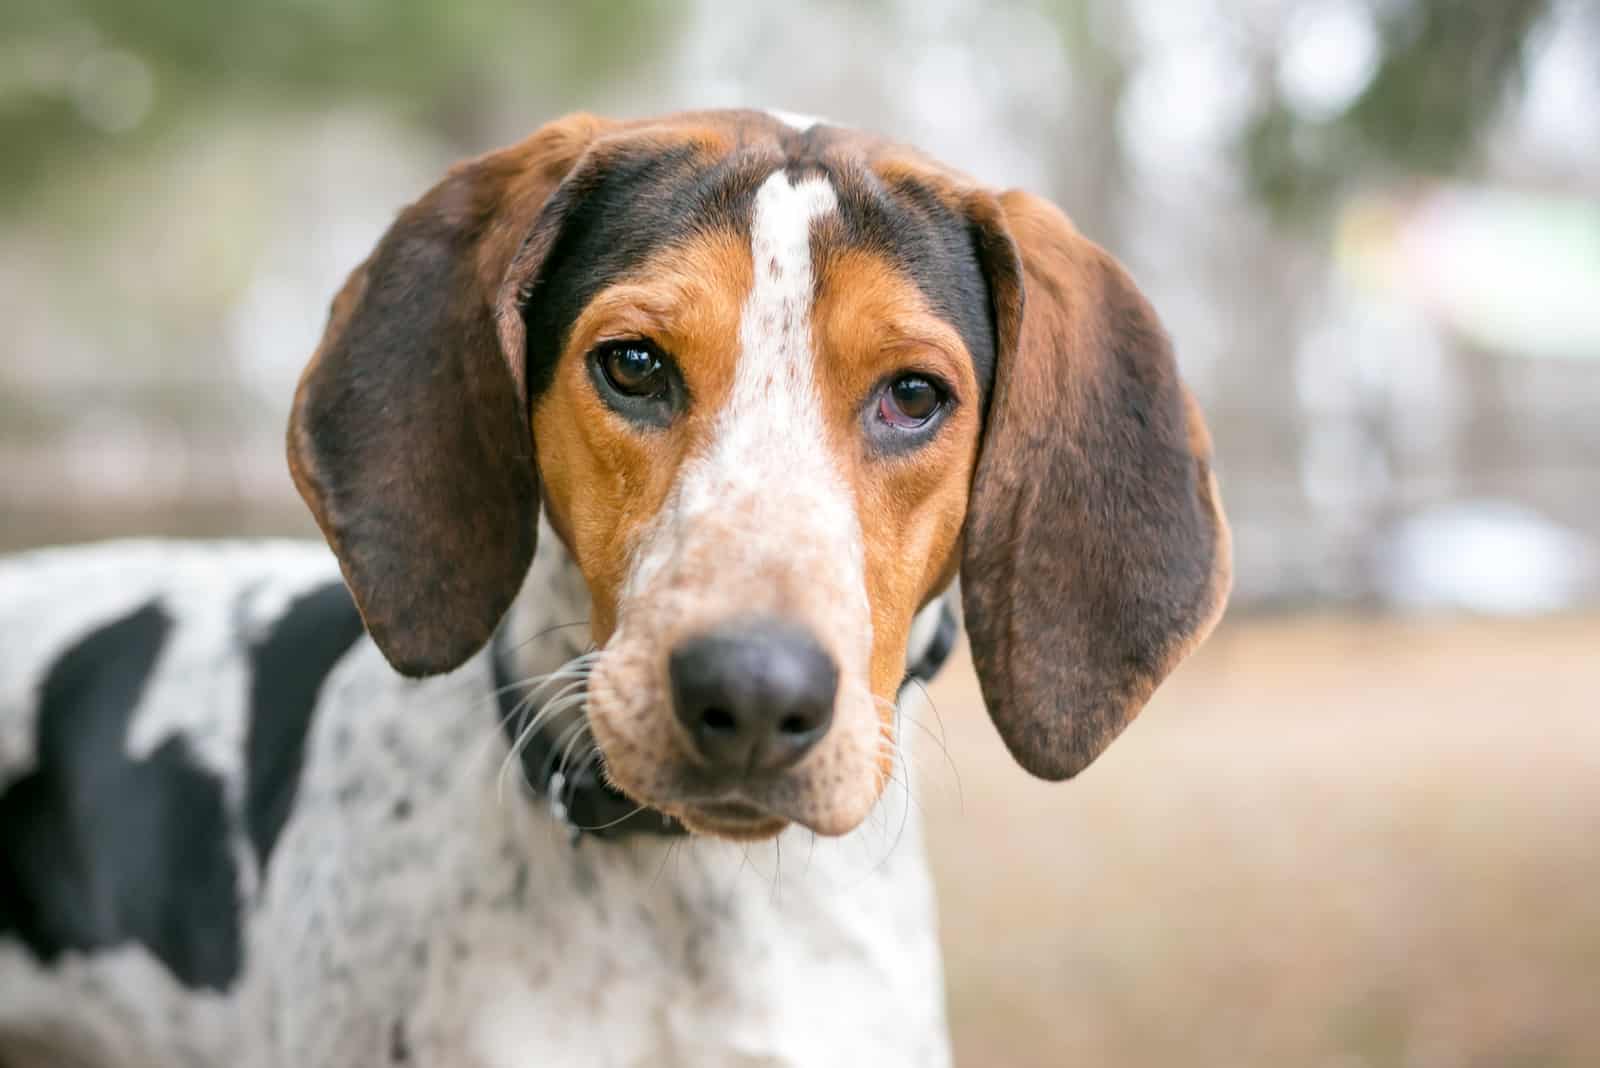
{"x":774,"y":385}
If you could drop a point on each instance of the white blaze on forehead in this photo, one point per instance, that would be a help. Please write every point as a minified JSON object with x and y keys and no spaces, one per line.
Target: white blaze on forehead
{"x":796,"y":120}
{"x":767,"y":486}
{"x":770,"y":439}
{"x":776,"y":366}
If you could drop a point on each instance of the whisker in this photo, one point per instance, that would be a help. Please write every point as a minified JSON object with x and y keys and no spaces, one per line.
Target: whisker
{"x":549,"y":709}
{"x":517,"y":648}
{"x":536,"y":682}
{"x":665,"y":856}
{"x":744,"y":862}
{"x":574,"y":673}
{"x":955,"y":772}
{"x":551,"y":760}
{"x":777,"y":866}
{"x":905,"y":819}
{"x":927,"y":695}
{"x":620,"y":819}
{"x":909,"y":757}
{"x":527,"y":733}
{"x":539,"y":683}
{"x":566,"y":754}
{"x":450,"y":689}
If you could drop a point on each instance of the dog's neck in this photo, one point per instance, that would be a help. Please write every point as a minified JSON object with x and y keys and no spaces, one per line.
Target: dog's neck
{"x":548,"y":624}
{"x":534,"y":670}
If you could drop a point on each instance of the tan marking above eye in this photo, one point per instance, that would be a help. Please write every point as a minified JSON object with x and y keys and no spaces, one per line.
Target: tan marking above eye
{"x":870,"y":323}
{"x":604,"y":477}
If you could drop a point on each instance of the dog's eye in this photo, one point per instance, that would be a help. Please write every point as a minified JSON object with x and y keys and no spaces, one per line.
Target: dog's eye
{"x":634,"y":368}
{"x":909,"y":401}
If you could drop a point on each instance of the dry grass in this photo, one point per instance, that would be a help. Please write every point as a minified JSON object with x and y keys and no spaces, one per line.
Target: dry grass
{"x":1326,"y":843}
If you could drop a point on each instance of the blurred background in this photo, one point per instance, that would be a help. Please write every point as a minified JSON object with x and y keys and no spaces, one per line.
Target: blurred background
{"x":1361,"y":826}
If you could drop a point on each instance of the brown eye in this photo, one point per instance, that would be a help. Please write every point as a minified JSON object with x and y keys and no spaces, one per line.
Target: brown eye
{"x":910,"y":401}
{"x":634,"y":369}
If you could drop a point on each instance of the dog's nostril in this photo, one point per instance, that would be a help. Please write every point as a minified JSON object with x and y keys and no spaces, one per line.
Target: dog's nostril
{"x":719,"y":720}
{"x":795,"y":724}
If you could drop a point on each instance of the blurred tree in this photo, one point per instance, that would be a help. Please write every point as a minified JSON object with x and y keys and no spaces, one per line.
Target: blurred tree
{"x":1443,"y":71}
{"x":83,"y":79}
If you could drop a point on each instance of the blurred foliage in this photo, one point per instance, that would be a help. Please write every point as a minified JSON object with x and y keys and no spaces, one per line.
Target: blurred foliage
{"x":1443,"y":73}
{"x":81,"y":80}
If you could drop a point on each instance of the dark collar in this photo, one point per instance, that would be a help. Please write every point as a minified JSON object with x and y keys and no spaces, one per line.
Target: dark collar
{"x":579,"y":797}
{"x":938,"y":650}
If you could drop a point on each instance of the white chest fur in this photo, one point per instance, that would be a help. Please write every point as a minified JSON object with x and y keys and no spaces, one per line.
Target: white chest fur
{"x":470,"y":933}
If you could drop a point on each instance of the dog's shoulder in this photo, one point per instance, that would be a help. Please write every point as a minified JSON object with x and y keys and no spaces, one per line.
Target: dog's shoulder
{"x":122,"y":620}
{"x":154,"y":697}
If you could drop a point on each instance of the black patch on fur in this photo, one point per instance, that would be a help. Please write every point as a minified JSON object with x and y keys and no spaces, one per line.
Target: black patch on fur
{"x":97,"y":850}
{"x":287,"y":669}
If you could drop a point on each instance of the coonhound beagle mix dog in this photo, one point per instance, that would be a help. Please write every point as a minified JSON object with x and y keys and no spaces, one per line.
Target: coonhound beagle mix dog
{"x":650,"y":453}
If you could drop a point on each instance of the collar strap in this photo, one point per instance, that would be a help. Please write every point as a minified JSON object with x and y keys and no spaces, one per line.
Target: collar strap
{"x":939,"y":647}
{"x":579,"y":797}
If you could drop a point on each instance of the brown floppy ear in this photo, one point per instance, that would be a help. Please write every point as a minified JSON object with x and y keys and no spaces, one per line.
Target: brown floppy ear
{"x":409,"y":436}
{"x":1095,"y":555}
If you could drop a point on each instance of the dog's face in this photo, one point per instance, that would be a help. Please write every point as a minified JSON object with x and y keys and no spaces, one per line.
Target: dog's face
{"x":758,"y":437}
{"x":773,"y":387}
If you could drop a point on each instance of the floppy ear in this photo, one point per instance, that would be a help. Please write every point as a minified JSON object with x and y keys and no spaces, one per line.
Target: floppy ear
{"x":409,"y":436}
{"x":1095,"y":555}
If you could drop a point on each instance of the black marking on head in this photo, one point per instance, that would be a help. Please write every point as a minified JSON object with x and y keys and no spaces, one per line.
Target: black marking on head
{"x":616,"y":216}
{"x":98,"y":850}
{"x":935,"y":246}
{"x":287,"y":669}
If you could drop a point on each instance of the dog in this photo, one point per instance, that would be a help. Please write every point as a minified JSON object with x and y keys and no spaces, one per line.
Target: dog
{"x":655,"y":457}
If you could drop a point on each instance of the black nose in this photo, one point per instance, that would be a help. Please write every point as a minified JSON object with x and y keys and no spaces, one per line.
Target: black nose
{"x":754,"y":695}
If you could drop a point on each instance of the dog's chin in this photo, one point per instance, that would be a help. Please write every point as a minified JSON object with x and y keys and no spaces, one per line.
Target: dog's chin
{"x":740,"y":819}
{"x":814,"y":798}
{"x":744,"y":821}
{"x":736,"y":813}
{"x":735,"y":821}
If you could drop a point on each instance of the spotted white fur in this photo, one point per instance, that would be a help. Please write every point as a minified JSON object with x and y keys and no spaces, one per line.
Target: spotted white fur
{"x":469,"y":933}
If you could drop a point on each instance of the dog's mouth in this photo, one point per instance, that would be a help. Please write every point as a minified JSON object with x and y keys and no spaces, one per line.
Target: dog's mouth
{"x":737,"y":820}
